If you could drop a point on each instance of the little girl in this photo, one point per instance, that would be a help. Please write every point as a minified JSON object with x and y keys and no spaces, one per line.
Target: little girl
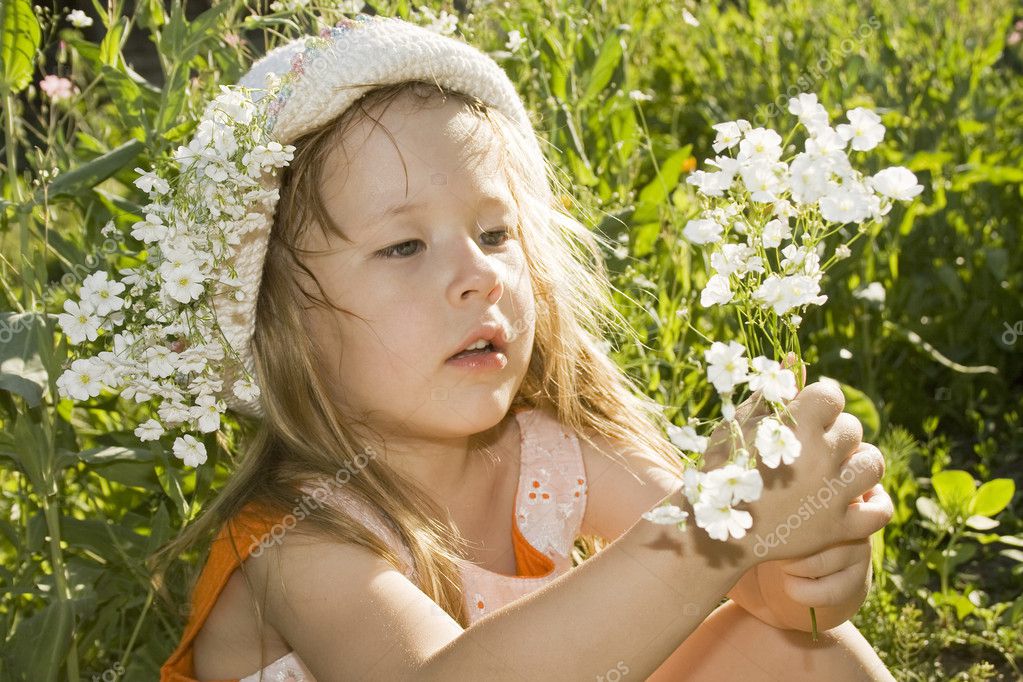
{"x":440,"y":424}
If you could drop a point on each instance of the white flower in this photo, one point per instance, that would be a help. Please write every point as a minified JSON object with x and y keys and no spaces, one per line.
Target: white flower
{"x":159,"y":361}
{"x":842,"y":251}
{"x":702,"y":231}
{"x":686,"y":438}
{"x":896,"y":182}
{"x":800,"y":259}
{"x":207,"y":411}
{"x":79,"y":322}
{"x":151,"y":229}
{"x":784,"y":293}
{"x":173,"y":411}
{"x":736,"y":259}
{"x":807,"y":178}
{"x":774,"y":231}
{"x":82,"y":380}
{"x":445,"y":24}
{"x":764,"y":180}
{"x":231,"y":106}
{"x":864,"y":129}
{"x":735,"y":483}
{"x":150,"y":183}
{"x":846,"y":204}
{"x":688,"y":17}
{"x":726,"y":366}
{"x":872,"y":292}
{"x":190,"y":450}
{"x":715,"y":184}
{"x":101,"y":293}
{"x":827,"y":147}
{"x":760,"y":144}
{"x":667,"y":514}
{"x":714,"y":513}
{"x":776,"y":443}
{"x":692,"y":479}
{"x":150,"y":430}
{"x":784,"y":209}
{"x":728,"y":135}
{"x":515,"y":40}
{"x":185,"y":284}
{"x":811,"y":113}
{"x":716,"y":292}
{"x":79,"y":19}
{"x":728,"y":410}
{"x":640,"y":96}
{"x":777,"y":384}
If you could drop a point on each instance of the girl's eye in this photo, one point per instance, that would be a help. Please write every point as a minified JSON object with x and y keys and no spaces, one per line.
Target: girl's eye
{"x":398,"y":250}
{"x":505,"y":236}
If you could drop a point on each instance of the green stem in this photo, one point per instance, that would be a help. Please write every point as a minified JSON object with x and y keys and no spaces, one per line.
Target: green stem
{"x":60,"y":577}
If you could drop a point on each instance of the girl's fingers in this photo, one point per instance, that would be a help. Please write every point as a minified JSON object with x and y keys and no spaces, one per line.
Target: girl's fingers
{"x":863,"y":469}
{"x":828,"y":561}
{"x":863,"y":519}
{"x":832,"y":590}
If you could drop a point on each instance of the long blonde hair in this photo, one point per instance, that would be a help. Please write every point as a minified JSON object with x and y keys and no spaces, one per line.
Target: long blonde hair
{"x":303,"y":435}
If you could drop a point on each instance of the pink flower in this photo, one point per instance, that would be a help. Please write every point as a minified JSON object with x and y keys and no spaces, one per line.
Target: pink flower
{"x":57,"y":88}
{"x":232,"y":39}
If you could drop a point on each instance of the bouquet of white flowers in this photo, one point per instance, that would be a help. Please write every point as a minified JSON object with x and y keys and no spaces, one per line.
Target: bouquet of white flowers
{"x":763,"y":231}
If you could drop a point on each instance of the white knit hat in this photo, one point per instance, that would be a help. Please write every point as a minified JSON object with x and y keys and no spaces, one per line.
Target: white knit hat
{"x":318,"y":72}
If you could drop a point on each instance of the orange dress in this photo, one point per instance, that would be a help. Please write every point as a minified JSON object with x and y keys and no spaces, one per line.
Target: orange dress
{"x":549,"y":506}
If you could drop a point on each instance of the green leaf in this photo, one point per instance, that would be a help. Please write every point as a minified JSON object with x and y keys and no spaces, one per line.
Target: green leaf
{"x":21,"y":368}
{"x":110,"y":47}
{"x":41,"y":642}
{"x":126,"y":96}
{"x":610,"y":57}
{"x":930,"y":510}
{"x":33,"y":451}
{"x":132,"y":467}
{"x":954,"y":488}
{"x":21,"y":38}
{"x":656,"y":191}
{"x":992,"y":497}
{"x":170,"y":481}
{"x":90,"y":174}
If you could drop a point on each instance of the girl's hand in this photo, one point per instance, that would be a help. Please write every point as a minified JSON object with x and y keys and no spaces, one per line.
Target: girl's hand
{"x":836,"y":575}
{"x":834,"y":581}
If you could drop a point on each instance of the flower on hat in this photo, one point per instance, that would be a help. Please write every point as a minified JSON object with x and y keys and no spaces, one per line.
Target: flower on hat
{"x":159,"y":317}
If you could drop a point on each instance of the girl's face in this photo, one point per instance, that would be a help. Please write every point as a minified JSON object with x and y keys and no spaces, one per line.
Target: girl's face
{"x":416,"y":283}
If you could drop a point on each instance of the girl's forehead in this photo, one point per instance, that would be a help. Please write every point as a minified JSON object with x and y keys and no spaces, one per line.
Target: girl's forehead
{"x":422,"y":162}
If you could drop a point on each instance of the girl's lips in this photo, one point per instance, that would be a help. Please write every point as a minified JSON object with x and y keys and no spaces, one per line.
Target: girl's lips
{"x":492,"y":360}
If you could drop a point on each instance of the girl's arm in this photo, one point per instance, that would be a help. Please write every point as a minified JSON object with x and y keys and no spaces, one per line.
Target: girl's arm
{"x":348,"y":614}
{"x":778,"y":593}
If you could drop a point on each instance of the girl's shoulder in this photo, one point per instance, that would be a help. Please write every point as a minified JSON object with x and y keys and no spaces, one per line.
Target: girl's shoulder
{"x":322,"y":490}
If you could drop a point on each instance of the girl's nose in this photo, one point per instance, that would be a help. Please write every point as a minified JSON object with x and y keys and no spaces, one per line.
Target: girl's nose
{"x":477,"y":274}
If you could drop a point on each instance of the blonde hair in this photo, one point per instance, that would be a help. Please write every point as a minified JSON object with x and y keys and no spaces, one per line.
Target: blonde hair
{"x":303,"y":435}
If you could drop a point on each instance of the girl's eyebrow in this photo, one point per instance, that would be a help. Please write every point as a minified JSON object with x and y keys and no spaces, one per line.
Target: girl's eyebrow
{"x":410,"y":206}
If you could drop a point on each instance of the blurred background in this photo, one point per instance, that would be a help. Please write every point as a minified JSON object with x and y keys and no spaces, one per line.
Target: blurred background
{"x":923,"y":326}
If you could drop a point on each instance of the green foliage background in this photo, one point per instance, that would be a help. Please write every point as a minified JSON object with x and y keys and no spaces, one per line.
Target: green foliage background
{"x":935,"y":372}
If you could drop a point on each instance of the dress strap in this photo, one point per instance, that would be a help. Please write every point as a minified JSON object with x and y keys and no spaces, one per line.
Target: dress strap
{"x":234,"y":543}
{"x":551,"y":498}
